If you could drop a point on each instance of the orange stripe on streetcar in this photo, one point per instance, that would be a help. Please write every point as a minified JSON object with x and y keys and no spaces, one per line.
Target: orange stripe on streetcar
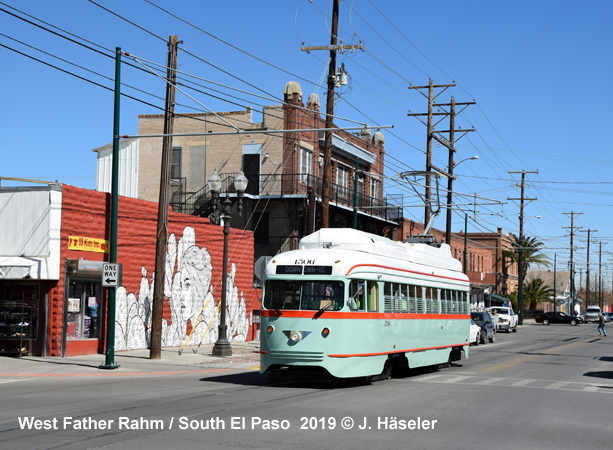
{"x":396,"y":351}
{"x":362,"y":315}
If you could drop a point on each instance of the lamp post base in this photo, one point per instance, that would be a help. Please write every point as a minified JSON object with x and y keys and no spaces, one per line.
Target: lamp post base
{"x":222,"y":348}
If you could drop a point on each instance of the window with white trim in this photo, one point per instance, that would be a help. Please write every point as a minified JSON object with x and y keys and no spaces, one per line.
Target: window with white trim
{"x":305,"y":164}
{"x":342,"y":180}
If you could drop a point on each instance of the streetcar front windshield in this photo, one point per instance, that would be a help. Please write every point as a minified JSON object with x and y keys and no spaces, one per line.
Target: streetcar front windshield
{"x":304,"y":295}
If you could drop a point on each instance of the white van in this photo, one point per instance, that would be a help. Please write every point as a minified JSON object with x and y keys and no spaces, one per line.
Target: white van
{"x":591,"y":313}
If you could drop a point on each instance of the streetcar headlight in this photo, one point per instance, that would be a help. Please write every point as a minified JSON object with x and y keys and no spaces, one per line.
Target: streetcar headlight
{"x":295,"y":336}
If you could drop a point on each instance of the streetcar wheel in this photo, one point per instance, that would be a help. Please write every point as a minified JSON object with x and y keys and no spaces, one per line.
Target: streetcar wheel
{"x":545,"y":322}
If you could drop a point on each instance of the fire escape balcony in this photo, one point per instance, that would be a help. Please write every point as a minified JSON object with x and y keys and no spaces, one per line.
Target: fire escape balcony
{"x":288,"y":186}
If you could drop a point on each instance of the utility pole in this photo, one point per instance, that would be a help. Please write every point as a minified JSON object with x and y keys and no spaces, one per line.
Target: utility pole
{"x":451,"y":163}
{"x":572,"y":263}
{"x":521,"y":242}
{"x":333,"y":47}
{"x":522,"y":199}
{"x":325,"y":186}
{"x":109,"y":360}
{"x":430,"y":136}
{"x":600,"y":275}
{"x":587,"y":270}
{"x":155,"y":350}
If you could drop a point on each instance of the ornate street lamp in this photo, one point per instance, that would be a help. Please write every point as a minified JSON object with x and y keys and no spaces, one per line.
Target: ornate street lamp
{"x":223,"y":211}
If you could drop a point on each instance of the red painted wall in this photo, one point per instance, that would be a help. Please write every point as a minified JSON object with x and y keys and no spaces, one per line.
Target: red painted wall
{"x":86,"y":213}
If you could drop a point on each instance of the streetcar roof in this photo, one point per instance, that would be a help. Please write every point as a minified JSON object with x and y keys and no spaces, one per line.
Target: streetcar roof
{"x":328,"y":244}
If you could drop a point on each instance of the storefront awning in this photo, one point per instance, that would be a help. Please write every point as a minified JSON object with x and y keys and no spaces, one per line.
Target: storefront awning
{"x":498,"y":299}
{"x":35,"y":268}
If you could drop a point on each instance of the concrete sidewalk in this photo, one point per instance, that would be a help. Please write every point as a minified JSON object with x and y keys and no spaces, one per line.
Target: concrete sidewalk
{"x":135,"y":362}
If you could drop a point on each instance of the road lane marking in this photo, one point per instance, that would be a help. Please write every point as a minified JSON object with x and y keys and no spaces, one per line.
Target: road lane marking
{"x":557,"y":385}
{"x":456,"y":379}
{"x":14,"y":380}
{"x":488,"y":381}
{"x":530,"y":358}
{"x":530,"y":383}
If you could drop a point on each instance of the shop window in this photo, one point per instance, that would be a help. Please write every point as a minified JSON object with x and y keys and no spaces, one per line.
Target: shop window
{"x":83,"y":310}
{"x":19,"y":312}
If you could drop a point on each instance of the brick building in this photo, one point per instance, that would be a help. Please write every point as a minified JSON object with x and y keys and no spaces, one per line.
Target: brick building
{"x":52,"y":302}
{"x":283,"y":197}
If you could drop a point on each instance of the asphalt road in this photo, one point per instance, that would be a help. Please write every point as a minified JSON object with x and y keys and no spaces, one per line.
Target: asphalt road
{"x":544,"y":387}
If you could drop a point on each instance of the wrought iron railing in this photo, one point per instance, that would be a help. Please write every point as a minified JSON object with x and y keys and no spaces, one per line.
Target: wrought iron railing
{"x":298,"y":185}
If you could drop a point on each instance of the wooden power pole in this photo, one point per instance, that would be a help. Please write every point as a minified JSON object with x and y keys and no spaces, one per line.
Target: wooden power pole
{"x":522,"y":199}
{"x":433,"y":135}
{"x":162,"y":226}
{"x":333,"y":47}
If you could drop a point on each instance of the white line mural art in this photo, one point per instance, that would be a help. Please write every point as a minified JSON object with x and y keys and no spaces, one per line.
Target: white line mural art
{"x":187,"y":286}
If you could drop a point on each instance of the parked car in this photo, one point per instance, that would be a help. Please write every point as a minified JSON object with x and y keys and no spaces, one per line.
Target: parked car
{"x":488,"y":327}
{"x":558,"y":317}
{"x":475,"y":333}
{"x":607,"y":316}
{"x":506,"y":319}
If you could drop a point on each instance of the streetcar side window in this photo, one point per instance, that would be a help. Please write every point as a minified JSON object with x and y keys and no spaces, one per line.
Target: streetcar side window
{"x":405,"y":297}
{"x":282,"y":294}
{"x":373,"y":296}
{"x":420,"y":307}
{"x":322,"y":295}
{"x":392,"y":296}
{"x":445,"y":293}
{"x":429,"y":300}
{"x":465,"y":302}
{"x":357,"y":295}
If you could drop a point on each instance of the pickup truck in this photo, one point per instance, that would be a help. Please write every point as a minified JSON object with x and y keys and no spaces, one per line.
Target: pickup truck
{"x":591,"y":313}
{"x":505,"y":318}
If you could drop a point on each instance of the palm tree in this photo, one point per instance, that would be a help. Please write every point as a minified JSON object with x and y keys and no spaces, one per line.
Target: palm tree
{"x":528,"y":249}
{"x":536,"y":291}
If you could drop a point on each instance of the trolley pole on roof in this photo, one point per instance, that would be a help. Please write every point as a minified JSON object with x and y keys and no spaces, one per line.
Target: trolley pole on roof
{"x":109,"y":360}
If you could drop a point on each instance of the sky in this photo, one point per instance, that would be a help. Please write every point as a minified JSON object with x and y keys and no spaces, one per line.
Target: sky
{"x":538,"y":71}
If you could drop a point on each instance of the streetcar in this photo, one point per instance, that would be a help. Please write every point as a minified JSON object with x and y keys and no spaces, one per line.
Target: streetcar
{"x":351,"y":304}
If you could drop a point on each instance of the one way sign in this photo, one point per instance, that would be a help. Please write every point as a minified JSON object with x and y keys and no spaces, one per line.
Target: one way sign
{"x":110,"y":275}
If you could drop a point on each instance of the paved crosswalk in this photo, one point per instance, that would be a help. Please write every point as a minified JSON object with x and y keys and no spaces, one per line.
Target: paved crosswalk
{"x":516,"y":382}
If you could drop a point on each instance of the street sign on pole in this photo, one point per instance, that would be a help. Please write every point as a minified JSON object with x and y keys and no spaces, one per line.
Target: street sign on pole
{"x":110,"y":275}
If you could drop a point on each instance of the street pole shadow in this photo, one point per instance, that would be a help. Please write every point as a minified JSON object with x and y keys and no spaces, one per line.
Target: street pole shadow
{"x":606,"y":374}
